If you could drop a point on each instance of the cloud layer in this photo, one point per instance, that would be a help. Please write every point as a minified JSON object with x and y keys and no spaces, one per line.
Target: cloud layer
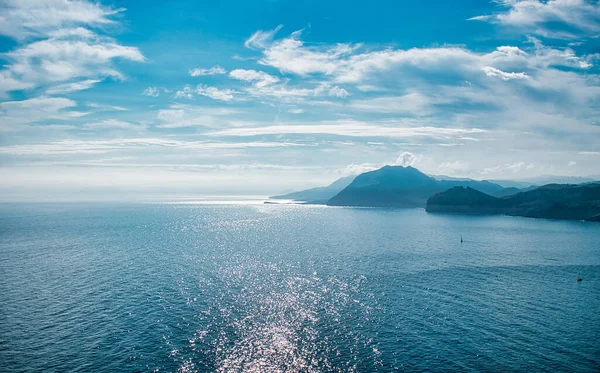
{"x":300,"y":106}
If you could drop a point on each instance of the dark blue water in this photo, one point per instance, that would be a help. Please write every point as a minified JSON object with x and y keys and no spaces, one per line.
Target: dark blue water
{"x":265,"y":288}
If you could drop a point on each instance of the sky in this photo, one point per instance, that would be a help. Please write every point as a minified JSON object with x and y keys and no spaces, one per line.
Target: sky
{"x":183,"y":98}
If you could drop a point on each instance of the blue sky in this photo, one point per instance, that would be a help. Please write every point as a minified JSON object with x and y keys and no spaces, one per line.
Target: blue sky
{"x":256,"y":97}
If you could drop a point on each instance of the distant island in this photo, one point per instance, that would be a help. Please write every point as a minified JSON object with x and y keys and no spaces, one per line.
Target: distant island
{"x":553,"y":201}
{"x":318,"y":195}
{"x":398,"y":186}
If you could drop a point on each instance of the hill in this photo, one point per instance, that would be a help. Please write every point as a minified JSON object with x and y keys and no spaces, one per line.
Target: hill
{"x":319,"y":194}
{"x":553,"y":201}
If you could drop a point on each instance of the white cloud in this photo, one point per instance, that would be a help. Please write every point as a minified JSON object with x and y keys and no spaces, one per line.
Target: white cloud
{"x":545,"y":57}
{"x":151,"y":92}
{"x":280,"y":92}
{"x":13,"y":114}
{"x":65,"y":33}
{"x":338,"y":92}
{"x":473,"y":93}
{"x":215,"y":70}
{"x":345,"y":64}
{"x":112,"y":124}
{"x":514,"y":168}
{"x":453,"y":168}
{"x":259,"y":79}
{"x":572,"y":163}
{"x":480,"y":18}
{"x":576,"y":16}
{"x":72,"y":87}
{"x":207,"y":91}
{"x":493,"y":72}
{"x":185,"y":92}
{"x":9,"y":83}
{"x":349,"y":128}
{"x":102,"y":107}
{"x":341,"y":61}
{"x":406,"y":159}
{"x":357,"y":169}
{"x":21,"y":19}
{"x":178,"y":116}
{"x":358,"y":67}
{"x":290,"y":55}
{"x":215,"y":93}
{"x":64,"y":48}
{"x":59,"y":59}
{"x":65,"y":147}
{"x":260,"y":39}
{"x":414,"y":103}
{"x":328,"y":89}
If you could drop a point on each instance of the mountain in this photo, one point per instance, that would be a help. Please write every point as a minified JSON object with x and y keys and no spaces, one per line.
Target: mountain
{"x":552,"y":201}
{"x":397,"y":186}
{"x":463,"y":200}
{"x":509,"y":191}
{"x":553,"y":179}
{"x":319,"y":194}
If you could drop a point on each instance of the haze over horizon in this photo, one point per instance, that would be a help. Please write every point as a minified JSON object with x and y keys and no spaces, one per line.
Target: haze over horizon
{"x":108,"y":98}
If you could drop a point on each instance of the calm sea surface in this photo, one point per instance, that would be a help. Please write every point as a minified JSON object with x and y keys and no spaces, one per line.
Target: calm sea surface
{"x":281,"y":288}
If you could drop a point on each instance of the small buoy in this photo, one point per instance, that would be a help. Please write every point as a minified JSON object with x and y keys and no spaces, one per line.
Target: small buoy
{"x":579,"y":279}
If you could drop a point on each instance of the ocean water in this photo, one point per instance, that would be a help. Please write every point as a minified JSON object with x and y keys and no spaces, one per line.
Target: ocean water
{"x":284,"y":288}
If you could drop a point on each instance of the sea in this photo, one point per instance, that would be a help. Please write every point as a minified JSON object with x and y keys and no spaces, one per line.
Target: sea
{"x":252,"y":287}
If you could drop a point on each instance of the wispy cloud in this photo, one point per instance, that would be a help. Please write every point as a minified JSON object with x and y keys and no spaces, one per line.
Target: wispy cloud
{"x":178,"y":116}
{"x":494,"y":72}
{"x":215,"y":70}
{"x":349,"y":128}
{"x":207,"y":91}
{"x":413,"y":103}
{"x":215,"y":93}
{"x":103,"y":107}
{"x":66,"y":147}
{"x":13,"y":114}
{"x":186,"y":92}
{"x":260,"y":39}
{"x":72,"y":87}
{"x":112,"y":124}
{"x":259,"y":79}
{"x":24,"y":19}
{"x":513,"y":168}
{"x":542,"y":17}
{"x":151,"y":92}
